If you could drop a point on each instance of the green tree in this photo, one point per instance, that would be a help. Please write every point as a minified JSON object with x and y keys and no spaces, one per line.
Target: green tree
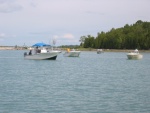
{"x":128,"y":37}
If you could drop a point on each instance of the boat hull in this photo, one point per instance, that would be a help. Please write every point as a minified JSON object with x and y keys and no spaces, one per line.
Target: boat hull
{"x":99,"y":52}
{"x":134,"y":56}
{"x":43,"y":56}
{"x":72,"y":54}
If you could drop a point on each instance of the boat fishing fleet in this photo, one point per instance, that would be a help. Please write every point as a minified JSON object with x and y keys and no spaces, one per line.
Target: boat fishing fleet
{"x":42,"y":51}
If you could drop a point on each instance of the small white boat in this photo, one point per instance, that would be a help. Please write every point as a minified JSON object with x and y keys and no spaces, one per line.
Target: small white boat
{"x":134,"y":55}
{"x":72,"y":53}
{"x":99,"y":51}
{"x":42,"y":53}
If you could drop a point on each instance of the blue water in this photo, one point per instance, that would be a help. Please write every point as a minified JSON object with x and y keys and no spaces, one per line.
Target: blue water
{"x":92,"y":83}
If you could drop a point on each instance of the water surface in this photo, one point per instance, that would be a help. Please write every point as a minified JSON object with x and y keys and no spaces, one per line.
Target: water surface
{"x":92,"y":83}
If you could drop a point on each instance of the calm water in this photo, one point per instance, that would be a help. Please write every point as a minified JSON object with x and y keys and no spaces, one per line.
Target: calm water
{"x":92,"y":83}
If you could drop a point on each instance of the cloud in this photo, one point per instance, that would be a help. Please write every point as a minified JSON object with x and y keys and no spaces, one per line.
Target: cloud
{"x":55,"y":37}
{"x":39,"y":33}
{"x":8,"y":6}
{"x":65,"y":39}
{"x":33,"y":4}
{"x":2,"y":35}
{"x":68,"y":36}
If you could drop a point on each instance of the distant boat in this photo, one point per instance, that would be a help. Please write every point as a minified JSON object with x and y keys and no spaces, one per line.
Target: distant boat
{"x":41,"y":51}
{"x":99,"y":51}
{"x":72,"y":53}
{"x":134,"y":55}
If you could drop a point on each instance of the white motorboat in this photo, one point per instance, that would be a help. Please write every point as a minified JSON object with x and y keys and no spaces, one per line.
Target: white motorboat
{"x":72,"y":53}
{"x":99,"y":51}
{"x":41,"y":52}
{"x":134,"y":55}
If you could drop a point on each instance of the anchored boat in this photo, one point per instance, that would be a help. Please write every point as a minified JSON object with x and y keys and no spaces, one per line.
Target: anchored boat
{"x":72,"y":53}
{"x":41,"y":51}
{"x":99,"y":51}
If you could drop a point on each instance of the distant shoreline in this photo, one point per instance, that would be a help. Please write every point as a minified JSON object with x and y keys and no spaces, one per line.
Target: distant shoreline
{"x":113,"y":50}
{"x":80,"y":49}
{"x":6,"y":48}
{"x":92,"y":50}
{"x":124,"y":50}
{"x":10,"y":48}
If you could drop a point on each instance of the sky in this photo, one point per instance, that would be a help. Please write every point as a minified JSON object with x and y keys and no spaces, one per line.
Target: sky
{"x":26,"y":22}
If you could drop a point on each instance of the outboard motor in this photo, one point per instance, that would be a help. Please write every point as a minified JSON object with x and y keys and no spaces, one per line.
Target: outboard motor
{"x":25,"y":53}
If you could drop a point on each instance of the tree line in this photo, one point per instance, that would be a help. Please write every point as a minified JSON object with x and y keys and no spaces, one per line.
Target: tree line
{"x":132,"y":36}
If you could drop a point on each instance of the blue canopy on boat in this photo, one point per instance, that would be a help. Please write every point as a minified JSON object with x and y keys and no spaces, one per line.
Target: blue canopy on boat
{"x":40,"y":45}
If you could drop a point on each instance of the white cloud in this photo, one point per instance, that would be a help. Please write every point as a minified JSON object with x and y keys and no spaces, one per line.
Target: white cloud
{"x":68,"y":36}
{"x":8,"y":6}
{"x":65,"y":39}
{"x":2,"y":35}
{"x":55,"y":36}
